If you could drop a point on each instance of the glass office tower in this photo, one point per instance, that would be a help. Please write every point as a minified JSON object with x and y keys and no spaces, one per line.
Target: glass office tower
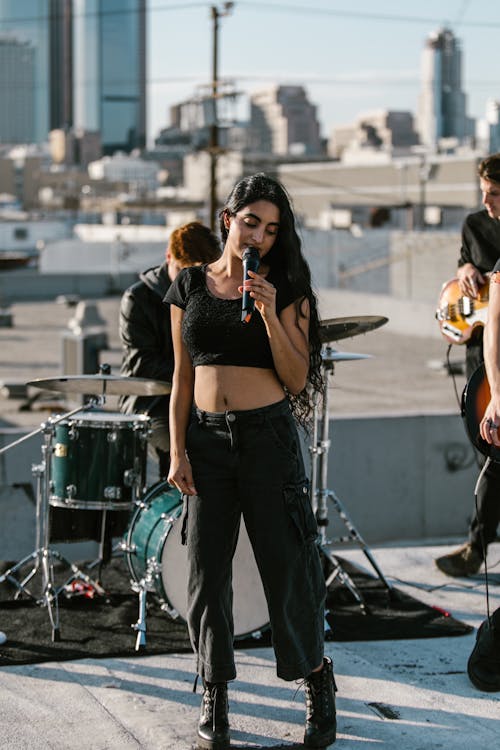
{"x":25,"y":24}
{"x":89,"y":67}
{"x":109,"y":39}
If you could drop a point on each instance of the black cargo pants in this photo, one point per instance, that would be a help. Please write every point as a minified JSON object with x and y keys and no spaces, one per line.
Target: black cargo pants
{"x":250,"y":463}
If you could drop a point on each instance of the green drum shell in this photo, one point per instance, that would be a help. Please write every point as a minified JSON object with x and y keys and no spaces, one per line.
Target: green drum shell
{"x":158,"y":562}
{"x":95,"y":458}
{"x":149,"y":528}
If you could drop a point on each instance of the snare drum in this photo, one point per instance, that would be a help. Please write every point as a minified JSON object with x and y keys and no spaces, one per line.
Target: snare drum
{"x":157,"y":558}
{"x":98,"y":460}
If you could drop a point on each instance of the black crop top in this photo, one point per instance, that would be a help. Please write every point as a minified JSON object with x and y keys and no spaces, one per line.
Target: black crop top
{"x":212,"y":329}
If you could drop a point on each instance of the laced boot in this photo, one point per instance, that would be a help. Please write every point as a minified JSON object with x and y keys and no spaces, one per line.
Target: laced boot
{"x":321,"y":720}
{"x":213,"y":727}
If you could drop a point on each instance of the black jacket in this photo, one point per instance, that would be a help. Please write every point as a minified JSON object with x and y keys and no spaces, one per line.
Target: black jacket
{"x":146,"y":338}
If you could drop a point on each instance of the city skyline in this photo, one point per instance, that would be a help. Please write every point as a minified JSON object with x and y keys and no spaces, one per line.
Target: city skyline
{"x":350,"y":60}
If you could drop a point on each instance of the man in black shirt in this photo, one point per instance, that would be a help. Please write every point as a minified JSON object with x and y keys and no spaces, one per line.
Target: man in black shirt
{"x":479,"y":253}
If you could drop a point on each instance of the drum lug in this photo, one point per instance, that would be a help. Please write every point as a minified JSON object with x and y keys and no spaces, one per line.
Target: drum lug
{"x":73,"y":433}
{"x":71,"y":491}
{"x":112,"y":436}
{"x":113,"y":493}
{"x":129,"y":477}
{"x":171,"y":611}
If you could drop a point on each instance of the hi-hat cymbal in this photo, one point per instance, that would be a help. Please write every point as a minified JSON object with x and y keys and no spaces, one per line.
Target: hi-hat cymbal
{"x":333,"y":355}
{"x":101,"y":385}
{"x":343,"y":328}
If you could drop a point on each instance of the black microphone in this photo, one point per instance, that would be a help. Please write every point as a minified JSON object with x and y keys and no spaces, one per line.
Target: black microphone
{"x":251,"y":262}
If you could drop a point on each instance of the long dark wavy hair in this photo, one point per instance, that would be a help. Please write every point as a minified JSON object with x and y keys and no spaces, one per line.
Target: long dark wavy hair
{"x":287,"y":254}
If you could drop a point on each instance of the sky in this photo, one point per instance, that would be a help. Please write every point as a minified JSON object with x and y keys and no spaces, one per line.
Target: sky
{"x":351,"y":57}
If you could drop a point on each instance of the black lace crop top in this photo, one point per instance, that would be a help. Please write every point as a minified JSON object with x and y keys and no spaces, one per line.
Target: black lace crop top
{"x":212,"y":329}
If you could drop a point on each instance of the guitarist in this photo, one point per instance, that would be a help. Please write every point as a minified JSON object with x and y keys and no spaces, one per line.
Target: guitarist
{"x":479,"y":254}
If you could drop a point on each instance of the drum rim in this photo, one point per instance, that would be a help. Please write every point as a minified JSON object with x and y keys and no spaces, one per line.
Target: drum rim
{"x":103,"y":419}
{"x":144,"y":505}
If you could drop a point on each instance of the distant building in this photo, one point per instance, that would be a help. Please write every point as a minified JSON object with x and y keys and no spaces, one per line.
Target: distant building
{"x":283,"y":121}
{"x":384,"y":130}
{"x":44,"y":27}
{"x":110,"y":71}
{"x":140,"y":175}
{"x":442,"y":101}
{"x":74,"y":147}
{"x":492,"y":144}
{"x":17,"y":84}
{"x":88,"y":68}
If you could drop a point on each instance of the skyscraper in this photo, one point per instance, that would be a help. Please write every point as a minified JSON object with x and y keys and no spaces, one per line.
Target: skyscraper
{"x":110,"y":71}
{"x":442,"y":102}
{"x":17,"y":71}
{"x":89,"y":66}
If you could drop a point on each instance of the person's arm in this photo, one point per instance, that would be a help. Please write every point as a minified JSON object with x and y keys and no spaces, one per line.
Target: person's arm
{"x":181,"y":400}
{"x":469,"y":276}
{"x":491,"y":353}
{"x":288,"y":333}
{"x":145,"y":342}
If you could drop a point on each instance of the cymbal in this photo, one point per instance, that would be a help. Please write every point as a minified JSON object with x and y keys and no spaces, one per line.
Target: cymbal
{"x":333,"y":355}
{"x":342,"y":328}
{"x":100,"y":385}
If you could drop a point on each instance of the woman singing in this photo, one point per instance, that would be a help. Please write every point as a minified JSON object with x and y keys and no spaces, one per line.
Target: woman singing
{"x":238,"y":389}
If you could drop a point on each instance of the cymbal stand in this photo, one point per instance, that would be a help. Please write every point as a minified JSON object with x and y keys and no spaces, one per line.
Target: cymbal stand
{"x":321,"y":494}
{"x":43,"y":556}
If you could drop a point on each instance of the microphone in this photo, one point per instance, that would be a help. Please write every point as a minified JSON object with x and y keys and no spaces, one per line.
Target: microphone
{"x":251,"y":262}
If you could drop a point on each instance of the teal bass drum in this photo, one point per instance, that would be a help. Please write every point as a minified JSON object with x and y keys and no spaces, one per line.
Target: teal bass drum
{"x":157,"y":559}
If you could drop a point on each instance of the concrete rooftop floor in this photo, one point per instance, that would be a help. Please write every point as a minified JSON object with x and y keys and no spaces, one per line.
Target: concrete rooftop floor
{"x":147,"y":702}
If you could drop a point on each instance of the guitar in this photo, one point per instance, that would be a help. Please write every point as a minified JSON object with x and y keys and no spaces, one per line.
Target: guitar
{"x":475,"y":399}
{"x":458,"y":315}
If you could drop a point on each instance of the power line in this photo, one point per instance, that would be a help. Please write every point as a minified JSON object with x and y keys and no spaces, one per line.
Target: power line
{"x":361,"y":15}
{"x":278,"y":8}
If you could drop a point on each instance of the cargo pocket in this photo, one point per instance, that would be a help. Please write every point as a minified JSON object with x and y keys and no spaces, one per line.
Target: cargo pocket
{"x":298,"y":506}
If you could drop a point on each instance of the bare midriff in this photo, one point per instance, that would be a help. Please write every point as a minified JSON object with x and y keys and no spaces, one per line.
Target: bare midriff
{"x":220,"y":388}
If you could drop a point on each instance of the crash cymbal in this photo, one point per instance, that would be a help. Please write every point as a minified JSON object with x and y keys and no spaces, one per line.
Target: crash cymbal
{"x":335,"y":329}
{"x":332,"y":355}
{"x":100,"y":385}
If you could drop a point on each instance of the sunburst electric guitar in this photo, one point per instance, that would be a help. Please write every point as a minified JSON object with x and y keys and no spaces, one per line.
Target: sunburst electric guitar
{"x":475,"y":399}
{"x":458,"y":315}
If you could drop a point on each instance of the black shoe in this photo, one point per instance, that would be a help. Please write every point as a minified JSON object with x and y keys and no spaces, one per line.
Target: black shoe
{"x":483,"y":666}
{"x":464,"y":561}
{"x":321,"y":718}
{"x":213,"y":727}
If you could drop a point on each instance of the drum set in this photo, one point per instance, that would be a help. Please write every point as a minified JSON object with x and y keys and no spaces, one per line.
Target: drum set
{"x":93,"y":473}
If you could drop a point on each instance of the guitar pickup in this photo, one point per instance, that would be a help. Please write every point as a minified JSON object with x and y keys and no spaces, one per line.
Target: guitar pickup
{"x":452,"y":332}
{"x":467,"y":306}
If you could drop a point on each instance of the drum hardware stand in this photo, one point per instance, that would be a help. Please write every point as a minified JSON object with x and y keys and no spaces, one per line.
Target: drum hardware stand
{"x":43,"y":555}
{"x":320,"y":494}
{"x":142,"y":587}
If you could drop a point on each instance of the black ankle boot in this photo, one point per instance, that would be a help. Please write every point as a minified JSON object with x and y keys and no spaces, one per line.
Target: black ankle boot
{"x":213,"y":727}
{"x":321,"y":719}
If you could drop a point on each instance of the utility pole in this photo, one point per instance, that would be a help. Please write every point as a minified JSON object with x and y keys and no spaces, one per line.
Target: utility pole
{"x":216,"y":13}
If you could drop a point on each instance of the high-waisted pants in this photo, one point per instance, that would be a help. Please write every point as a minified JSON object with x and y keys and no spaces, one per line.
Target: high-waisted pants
{"x":249,"y":463}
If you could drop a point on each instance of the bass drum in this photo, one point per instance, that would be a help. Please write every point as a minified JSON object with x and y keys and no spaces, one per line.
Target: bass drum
{"x":157,"y":559}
